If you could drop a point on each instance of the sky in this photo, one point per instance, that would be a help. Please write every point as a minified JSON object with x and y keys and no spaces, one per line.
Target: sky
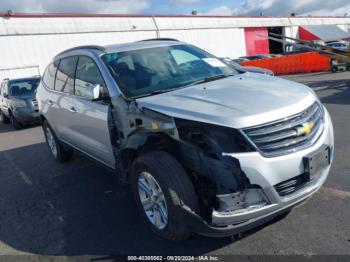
{"x":182,"y":7}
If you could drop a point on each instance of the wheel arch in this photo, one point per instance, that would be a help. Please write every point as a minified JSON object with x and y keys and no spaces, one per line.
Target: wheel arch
{"x":143,"y":142}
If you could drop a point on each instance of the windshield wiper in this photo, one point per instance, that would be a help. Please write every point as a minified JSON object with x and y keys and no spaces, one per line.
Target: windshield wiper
{"x":209,"y":79}
{"x":205,"y":80}
{"x":157,"y":92}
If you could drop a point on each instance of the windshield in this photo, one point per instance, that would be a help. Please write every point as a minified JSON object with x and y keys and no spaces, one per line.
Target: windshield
{"x":23,"y":86}
{"x":153,"y":70}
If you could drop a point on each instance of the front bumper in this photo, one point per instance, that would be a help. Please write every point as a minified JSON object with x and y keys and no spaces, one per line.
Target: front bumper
{"x":266,"y":173}
{"x":26,"y":115}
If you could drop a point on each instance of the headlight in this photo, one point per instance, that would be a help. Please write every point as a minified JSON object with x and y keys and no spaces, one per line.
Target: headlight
{"x":19,"y":103}
{"x":213,"y":139}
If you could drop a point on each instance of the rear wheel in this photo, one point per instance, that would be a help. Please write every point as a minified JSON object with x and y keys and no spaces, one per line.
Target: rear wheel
{"x":160,"y":187}
{"x":4,"y":119}
{"x":58,"y":151}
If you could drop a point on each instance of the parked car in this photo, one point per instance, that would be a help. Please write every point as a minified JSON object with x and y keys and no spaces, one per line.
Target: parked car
{"x":339,"y":45}
{"x":204,"y":149}
{"x":255,"y":57}
{"x":244,"y":69}
{"x":18,"y":104}
{"x":239,"y":60}
{"x":339,"y":66}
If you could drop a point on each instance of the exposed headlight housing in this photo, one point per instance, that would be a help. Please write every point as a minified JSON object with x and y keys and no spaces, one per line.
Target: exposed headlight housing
{"x":18,"y":103}
{"x":212,"y":137}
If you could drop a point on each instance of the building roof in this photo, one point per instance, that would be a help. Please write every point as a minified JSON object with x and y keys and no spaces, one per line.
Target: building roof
{"x":44,"y":24}
{"x":77,"y":15}
{"x":327,"y":32}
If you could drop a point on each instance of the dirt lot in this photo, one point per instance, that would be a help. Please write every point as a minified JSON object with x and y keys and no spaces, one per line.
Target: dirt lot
{"x":78,"y":208}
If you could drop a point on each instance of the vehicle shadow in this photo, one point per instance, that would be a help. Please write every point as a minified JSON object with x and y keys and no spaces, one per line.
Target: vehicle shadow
{"x":76,"y":208}
{"x":5,"y":128}
{"x":332,"y":91}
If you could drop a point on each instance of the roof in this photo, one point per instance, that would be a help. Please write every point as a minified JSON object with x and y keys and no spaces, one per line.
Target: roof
{"x":22,"y":78}
{"x":55,"y":15}
{"x":52,"y":24}
{"x":148,"y":43}
{"x":327,"y":32}
{"x":140,"y":45}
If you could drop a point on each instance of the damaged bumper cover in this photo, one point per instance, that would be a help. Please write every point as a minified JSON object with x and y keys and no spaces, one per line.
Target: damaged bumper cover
{"x":228,"y":224}
{"x":267,"y":173}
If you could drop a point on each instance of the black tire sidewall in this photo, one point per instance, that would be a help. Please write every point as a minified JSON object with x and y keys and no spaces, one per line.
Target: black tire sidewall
{"x":45,"y":127}
{"x":176,"y":229}
{"x":15,"y":124}
{"x":2,"y":118}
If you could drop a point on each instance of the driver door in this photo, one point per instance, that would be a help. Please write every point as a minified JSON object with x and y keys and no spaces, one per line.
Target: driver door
{"x":90,"y":118}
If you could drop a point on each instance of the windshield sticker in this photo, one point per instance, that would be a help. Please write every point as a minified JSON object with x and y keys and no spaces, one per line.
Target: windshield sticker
{"x":214,"y":62}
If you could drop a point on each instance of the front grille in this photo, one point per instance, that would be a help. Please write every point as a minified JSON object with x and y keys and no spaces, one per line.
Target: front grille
{"x":34,"y":102}
{"x":291,"y":185}
{"x":290,"y":134}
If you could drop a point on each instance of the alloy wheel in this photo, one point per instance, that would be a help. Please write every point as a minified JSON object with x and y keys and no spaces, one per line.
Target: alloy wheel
{"x":153,"y":200}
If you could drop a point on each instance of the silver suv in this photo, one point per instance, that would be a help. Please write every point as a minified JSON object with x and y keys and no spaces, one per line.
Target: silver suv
{"x":18,"y":104}
{"x":204,"y":149}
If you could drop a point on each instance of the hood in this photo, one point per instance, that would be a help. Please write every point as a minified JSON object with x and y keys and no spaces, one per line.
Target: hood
{"x":238,"y":101}
{"x":258,"y":70}
{"x":28,"y":96}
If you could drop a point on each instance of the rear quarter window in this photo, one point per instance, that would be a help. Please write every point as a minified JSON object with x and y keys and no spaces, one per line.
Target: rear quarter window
{"x":49,"y":76}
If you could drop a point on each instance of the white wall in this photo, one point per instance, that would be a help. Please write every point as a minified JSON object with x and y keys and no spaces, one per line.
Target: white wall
{"x":33,"y":41}
{"x":19,"y":72}
{"x":38,"y":50}
{"x":220,"y":42}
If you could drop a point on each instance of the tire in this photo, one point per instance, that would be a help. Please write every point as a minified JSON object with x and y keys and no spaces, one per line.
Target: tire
{"x":57,"y":150}
{"x":15,"y":124}
{"x":4,"y":119}
{"x":177,"y":190}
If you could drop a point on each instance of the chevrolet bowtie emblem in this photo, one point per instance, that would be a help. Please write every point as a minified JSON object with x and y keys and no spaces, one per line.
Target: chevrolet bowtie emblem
{"x":305,"y":129}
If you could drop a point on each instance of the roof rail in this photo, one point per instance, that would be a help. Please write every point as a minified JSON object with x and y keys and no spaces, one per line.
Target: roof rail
{"x":97,"y":47}
{"x":159,"y":39}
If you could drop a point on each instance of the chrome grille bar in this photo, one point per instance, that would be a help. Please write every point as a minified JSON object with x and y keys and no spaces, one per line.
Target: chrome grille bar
{"x":286,"y":135}
{"x":290,"y":123}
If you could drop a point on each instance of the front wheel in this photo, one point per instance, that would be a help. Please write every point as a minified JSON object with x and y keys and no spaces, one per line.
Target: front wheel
{"x":14,"y":122}
{"x":160,"y":187}
{"x":3,"y":118}
{"x":58,"y":151}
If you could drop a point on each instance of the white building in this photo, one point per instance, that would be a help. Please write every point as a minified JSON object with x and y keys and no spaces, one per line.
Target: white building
{"x":29,"y":41}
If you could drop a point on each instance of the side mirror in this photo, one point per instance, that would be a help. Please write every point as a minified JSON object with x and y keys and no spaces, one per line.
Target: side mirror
{"x":93,"y":92}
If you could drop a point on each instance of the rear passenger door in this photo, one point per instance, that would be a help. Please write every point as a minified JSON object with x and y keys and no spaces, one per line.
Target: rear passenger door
{"x":64,"y":116}
{"x":89,"y":128}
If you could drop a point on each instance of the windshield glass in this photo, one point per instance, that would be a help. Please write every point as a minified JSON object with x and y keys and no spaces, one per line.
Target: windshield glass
{"x":147,"y":71}
{"x":23,"y":86}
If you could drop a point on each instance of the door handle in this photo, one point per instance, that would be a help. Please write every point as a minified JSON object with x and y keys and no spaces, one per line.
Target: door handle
{"x":72,"y":109}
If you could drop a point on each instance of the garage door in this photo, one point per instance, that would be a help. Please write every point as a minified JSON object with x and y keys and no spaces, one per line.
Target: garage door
{"x":256,"y":40}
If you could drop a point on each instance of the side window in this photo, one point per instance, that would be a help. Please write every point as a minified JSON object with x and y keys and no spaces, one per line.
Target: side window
{"x":49,"y":75}
{"x":87,"y":75}
{"x":4,"y":89}
{"x":65,"y":75}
